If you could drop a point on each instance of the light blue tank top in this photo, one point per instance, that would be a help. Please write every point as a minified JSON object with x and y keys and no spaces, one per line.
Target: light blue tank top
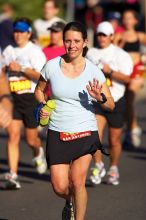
{"x":74,"y":108}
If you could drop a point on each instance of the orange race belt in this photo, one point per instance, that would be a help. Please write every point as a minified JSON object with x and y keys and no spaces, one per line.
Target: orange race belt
{"x":65,"y":136}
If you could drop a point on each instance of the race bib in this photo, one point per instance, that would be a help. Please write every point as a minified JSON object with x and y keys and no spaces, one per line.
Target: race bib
{"x":44,"y":40}
{"x":21,"y":85}
{"x":64,"y":136}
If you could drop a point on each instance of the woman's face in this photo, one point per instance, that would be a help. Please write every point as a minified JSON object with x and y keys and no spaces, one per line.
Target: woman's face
{"x":74,"y":43}
{"x":56,"y":37}
{"x":49,"y":10}
{"x":21,"y":38}
{"x":129,"y":20}
{"x":104,"y":41}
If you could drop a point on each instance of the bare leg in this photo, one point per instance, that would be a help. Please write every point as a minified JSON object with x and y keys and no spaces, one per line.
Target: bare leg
{"x":14,"y":132}
{"x":33,"y":140}
{"x":101,"y":121}
{"x":133,"y":135}
{"x":130,"y":111}
{"x":78,"y":176}
{"x":65,"y":177}
{"x":60,"y":180}
{"x":115,"y":145}
{"x":131,"y":92}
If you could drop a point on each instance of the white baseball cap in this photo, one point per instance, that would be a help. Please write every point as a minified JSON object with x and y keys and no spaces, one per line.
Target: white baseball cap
{"x":105,"y":27}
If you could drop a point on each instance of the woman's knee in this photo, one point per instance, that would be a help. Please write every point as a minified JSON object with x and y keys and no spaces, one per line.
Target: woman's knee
{"x":60,"y":188}
{"x":33,"y":141}
{"x":30,"y":142}
{"x":78,"y":182}
{"x":32,"y":138}
{"x":115,"y":142}
{"x":13,"y":137}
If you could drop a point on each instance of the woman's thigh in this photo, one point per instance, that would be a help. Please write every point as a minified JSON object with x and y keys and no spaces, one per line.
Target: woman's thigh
{"x":79,"y":169}
{"x":101,"y":123}
{"x":60,"y":174}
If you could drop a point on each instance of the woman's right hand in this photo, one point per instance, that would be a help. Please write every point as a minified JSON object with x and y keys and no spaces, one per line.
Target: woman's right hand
{"x":94,"y":89}
{"x":44,"y":114}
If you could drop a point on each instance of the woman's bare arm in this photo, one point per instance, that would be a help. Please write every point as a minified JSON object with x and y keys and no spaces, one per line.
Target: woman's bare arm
{"x":39,"y":90}
{"x":109,"y":104}
{"x":142,"y":38}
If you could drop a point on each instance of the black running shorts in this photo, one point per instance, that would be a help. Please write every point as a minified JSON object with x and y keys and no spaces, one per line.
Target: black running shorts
{"x":115,"y":118}
{"x":63,"y":152}
{"x":23,"y":109}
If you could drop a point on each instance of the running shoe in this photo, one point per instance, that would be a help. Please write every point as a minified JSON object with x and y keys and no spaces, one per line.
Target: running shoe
{"x":12,"y":181}
{"x":40,"y":162}
{"x":133,"y":138}
{"x":136,"y":136}
{"x":68,"y":211}
{"x":97,"y":174}
{"x":113,"y":176}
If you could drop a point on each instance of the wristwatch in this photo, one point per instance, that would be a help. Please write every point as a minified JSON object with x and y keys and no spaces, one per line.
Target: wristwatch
{"x":110,"y":73}
{"x":104,"y":99}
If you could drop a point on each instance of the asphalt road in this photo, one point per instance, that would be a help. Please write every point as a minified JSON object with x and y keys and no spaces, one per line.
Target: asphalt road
{"x":36,"y":200}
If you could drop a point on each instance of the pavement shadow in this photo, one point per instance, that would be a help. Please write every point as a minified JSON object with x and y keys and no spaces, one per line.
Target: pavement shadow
{"x":141,"y":118}
{"x":3,"y":135}
{"x":4,"y":219}
{"x":35,"y":175}
{"x":137,"y":157}
{"x":26,"y":170}
{"x":21,"y":164}
{"x":132,"y":149}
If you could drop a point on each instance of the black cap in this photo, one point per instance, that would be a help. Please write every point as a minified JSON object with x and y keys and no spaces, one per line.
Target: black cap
{"x":57,"y":26}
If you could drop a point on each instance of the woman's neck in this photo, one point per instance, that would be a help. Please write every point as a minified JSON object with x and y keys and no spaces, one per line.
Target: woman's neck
{"x":73,"y":68}
{"x":76,"y":61}
{"x":130,"y":30}
{"x":23,"y":44}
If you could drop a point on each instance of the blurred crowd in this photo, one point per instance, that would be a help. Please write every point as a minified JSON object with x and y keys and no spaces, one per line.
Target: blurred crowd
{"x":26,"y":45}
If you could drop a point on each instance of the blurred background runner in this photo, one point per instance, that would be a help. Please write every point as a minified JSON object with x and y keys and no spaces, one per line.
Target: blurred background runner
{"x":6,"y":26}
{"x":130,"y":40}
{"x":22,"y":65}
{"x":41,"y":25}
{"x":117,"y":65}
{"x":5,"y":102}
{"x":56,"y":46}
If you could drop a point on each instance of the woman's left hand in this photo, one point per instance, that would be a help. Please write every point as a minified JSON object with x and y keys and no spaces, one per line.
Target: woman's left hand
{"x":94,"y":89}
{"x":15,"y":67}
